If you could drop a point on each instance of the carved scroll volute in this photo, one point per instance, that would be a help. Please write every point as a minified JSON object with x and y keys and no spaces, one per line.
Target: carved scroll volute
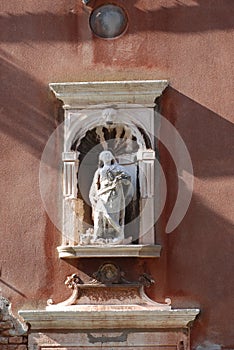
{"x":108,"y":287}
{"x":70,"y":168}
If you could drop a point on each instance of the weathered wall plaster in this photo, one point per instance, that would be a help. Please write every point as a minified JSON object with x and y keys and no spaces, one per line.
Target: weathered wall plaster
{"x":189,"y":43}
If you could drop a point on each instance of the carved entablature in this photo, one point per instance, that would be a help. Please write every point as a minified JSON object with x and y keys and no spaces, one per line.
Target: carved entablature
{"x":109,"y":168}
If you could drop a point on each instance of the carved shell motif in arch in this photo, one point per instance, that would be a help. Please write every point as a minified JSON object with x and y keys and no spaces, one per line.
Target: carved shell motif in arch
{"x":110,"y":133}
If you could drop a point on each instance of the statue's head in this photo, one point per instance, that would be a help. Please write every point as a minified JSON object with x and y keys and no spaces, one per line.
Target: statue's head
{"x":106,"y":158}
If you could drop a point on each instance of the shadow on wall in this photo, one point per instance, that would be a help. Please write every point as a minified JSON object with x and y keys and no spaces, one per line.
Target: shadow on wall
{"x":200,"y":250}
{"x":27,"y":113}
{"x":200,"y":16}
{"x":207,"y":135}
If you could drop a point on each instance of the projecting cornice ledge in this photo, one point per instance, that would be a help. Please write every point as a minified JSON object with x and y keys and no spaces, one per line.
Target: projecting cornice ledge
{"x":107,"y":317}
{"x":86,"y":94}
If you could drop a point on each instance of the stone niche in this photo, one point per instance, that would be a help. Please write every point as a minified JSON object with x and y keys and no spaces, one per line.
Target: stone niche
{"x":119,"y":117}
{"x":109,"y":153}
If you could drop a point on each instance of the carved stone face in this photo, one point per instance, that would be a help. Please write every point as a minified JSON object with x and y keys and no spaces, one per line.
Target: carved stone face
{"x":106,"y":158}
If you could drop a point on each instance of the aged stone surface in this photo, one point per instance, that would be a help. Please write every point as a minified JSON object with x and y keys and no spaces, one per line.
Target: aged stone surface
{"x":12,"y":331}
{"x":84,"y":94}
{"x":122,"y":316}
{"x":15,"y":347}
{"x":22,"y":347}
{"x":140,"y":251}
{"x":6,"y":325}
{"x":124,"y":123}
{"x":108,"y":200}
{"x":108,"y":317}
{"x":120,"y":339}
{"x":108,"y":286}
{"x":3,"y":340}
{"x":16,"y":340}
{"x":107,"y":300}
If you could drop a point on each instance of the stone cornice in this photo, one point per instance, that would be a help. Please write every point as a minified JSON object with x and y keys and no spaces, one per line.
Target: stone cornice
{"x":86,"y":94}
{"x":109,"y":317}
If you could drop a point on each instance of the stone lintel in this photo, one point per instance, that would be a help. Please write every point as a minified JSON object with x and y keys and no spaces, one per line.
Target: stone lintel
{"x":92,"y":251}
{"x":109,"y":317}
{"x":82,"y":95}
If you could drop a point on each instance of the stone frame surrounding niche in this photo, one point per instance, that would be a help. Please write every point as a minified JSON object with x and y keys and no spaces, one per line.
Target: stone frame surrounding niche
{"x":90,"y":105}
{"x":105,"y":309}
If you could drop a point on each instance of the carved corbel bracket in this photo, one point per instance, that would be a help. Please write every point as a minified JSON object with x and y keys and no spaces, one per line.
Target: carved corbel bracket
{"x":108,"y":286}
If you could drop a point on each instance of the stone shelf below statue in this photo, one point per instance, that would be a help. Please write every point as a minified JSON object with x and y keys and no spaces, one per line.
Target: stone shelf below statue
{"x":100,"y":251}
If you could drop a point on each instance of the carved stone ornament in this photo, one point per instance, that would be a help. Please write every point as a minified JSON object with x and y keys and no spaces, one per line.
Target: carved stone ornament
{"x":108,"y":286}
{"x":109,"y":273}
{"x":118,"y":117}
{"x":108,"y":200}
{"x":108,"y":301}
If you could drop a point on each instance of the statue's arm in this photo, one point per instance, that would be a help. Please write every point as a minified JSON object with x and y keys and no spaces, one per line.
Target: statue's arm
{"x":126,"y":177}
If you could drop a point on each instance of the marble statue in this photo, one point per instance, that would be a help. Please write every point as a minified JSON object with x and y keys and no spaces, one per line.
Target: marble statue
{"x":108,"y":200}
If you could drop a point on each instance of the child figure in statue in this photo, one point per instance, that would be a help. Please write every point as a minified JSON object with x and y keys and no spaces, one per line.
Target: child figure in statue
{"x":108,"y":200}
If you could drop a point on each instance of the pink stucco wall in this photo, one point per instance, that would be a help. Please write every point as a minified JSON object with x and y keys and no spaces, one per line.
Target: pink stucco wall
{"x":188,"y":42}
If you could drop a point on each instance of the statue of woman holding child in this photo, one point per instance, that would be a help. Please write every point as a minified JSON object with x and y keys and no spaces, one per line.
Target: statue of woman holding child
{"x":108,"y":199}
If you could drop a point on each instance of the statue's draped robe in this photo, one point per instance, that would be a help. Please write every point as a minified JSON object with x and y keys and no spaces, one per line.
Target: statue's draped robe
{"x":108,"y":201}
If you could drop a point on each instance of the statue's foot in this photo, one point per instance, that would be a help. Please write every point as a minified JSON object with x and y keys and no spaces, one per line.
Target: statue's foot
{"x":99,"y":241}
{"x":127,"y":240}
{"x":120,"y":241}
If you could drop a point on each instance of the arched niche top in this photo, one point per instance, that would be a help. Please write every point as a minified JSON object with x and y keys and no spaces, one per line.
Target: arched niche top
{"x":81,"y":122}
